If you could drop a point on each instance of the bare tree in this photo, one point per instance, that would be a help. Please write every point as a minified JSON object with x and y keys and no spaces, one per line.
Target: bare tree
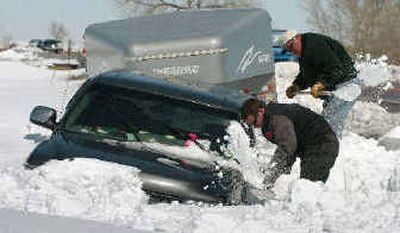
{"x":58,"y":31}
{"x":147,"y":7}
{"x":370,"y":26}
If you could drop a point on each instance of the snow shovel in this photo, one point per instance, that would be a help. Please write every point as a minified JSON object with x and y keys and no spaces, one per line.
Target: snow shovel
{"x":322,"y":93}
{"x":348,"y":91}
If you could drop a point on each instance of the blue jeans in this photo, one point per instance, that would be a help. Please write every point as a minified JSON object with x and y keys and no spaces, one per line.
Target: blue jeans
{"x":335,"y":112}
{"x":336,"y":109}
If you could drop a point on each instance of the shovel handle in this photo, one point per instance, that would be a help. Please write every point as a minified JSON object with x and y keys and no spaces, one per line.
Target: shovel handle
{"x":322,"y":93}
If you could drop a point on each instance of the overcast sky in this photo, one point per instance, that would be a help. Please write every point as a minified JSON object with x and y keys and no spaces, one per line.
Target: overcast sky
{"x":27,"y":19}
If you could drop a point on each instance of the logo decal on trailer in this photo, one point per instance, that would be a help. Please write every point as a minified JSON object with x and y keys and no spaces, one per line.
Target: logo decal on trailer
{"x":250,"y":55}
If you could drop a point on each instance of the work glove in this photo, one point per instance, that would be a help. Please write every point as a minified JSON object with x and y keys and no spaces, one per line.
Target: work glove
{"x":317,"y":89}
{"x":292,"y":91}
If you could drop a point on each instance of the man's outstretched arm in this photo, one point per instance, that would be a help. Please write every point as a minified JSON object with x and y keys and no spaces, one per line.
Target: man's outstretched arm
{"x":285,"y":155}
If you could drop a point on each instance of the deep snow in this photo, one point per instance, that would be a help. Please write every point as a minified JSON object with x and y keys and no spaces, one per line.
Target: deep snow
{"x":12,"y":221}
{"x":362,"y":193}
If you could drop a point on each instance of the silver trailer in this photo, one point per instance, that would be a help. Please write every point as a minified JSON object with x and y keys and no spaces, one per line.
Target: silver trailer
{"x":208,"y":49}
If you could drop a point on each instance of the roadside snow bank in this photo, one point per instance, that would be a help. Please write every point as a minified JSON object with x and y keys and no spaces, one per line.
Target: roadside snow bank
{"x":34,"y":57}
{"x":85,"y":188}
{"x":12,"y":221}
{"x":22,"y":87}
{"x":20,"y":54}
{"x":362,"y":193}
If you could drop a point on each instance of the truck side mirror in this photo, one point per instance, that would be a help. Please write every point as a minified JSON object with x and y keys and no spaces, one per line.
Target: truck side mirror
{"x":44,"y":116}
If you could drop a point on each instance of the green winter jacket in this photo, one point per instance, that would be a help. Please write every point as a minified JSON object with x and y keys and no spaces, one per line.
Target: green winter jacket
{"x":324,"y":59}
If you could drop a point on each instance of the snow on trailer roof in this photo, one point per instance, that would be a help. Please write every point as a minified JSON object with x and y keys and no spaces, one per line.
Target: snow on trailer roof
{"x":199,"y":48}
{"x":172,"y":26}
{"x":206,"y":49}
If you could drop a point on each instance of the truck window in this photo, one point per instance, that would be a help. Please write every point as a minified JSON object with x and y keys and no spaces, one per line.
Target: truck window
{"x":126,"y":114}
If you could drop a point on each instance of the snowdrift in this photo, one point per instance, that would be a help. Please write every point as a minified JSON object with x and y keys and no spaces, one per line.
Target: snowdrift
{"x":362,"y":193}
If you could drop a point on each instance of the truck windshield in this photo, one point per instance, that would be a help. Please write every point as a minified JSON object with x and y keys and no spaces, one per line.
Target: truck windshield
{"x":129,"y":115}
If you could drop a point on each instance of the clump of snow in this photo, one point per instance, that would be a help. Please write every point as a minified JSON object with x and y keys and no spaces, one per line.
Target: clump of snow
{"x":191,"y":152}
{"x":348,"y":91}
{"x":253,"y":161}
{"x":373,"y":71}
{"x":80,"y":188}
{"x":371,"y":120}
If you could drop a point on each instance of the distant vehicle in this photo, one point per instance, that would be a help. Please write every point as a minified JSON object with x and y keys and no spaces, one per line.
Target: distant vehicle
{"x":51,"y":45}
{"x":277,"y":47}
{"x":136,"y":120}
{"x":35,"y":42}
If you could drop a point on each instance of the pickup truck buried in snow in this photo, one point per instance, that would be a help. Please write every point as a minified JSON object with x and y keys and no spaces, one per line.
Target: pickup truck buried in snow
{"x":156,"y":83}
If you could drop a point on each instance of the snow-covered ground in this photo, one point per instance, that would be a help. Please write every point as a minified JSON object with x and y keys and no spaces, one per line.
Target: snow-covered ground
{"x":12,"y":221}
{"x":362,"y":193}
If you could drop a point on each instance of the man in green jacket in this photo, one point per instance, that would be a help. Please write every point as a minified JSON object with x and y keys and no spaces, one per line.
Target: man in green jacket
{"x":328,"y":70}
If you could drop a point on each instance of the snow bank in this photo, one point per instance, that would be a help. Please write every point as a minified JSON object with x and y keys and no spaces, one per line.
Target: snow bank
{"x":20,"y":54}
{"x":93,"y":189}
{"x":362,"y":193}
{"x":33,"y":56}
{"x":21,"y":222}
{"x":22,"y":88}
{"x":368,"y":118}
{"x":391,"y":140}
{"x":394,"y":133}
{"x":371,"y":120}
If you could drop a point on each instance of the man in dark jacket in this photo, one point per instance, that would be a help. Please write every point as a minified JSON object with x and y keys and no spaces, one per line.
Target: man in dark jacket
{"x":298,"y":132}
{"x":324,"y":66}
